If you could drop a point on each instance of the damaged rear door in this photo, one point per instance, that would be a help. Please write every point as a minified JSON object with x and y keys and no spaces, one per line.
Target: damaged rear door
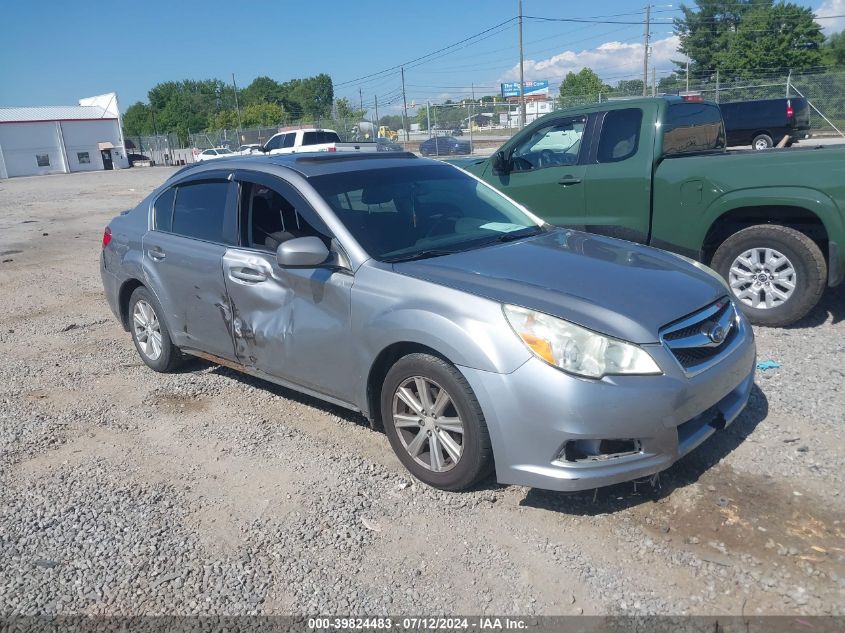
{"x":290,"y":323}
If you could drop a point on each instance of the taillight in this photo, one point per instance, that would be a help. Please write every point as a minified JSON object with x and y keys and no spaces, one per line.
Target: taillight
{"x":106,"y":237}
{"x":789,"y":111}
{"x":331,"y":149}
{"x":690,"y":98}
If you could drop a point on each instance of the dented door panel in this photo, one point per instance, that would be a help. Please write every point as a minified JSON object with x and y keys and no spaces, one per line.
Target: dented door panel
{"x":291,"y":323}
{"x":187,"y":278}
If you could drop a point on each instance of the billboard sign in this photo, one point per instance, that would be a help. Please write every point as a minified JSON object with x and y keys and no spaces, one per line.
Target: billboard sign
{"x":532,"y":88}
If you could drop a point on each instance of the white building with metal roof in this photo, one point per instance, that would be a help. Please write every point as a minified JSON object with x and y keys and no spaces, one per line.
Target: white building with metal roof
{"x":62,"y":139}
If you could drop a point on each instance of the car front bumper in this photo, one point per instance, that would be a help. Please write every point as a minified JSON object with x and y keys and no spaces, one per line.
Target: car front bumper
{"x":533,"y":412}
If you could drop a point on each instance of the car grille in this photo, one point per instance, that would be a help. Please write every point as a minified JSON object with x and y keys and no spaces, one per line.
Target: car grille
{"x":700,"y":340}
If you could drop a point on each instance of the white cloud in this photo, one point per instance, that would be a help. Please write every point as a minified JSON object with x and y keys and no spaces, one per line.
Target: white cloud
{"x":611,"y":61}
{"x":832,"y":7}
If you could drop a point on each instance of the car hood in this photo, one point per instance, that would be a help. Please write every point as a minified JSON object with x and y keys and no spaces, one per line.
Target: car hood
{"x":611,"y":286}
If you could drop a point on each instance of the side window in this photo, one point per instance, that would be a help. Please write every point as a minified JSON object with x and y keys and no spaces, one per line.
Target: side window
{"x":274,"y":143}
{"x":289,"y":140}
{"x":163,"y":210}
{"x":692,"y":127}
{"x":199,"y":210}
{"x":620,"y":135}
{"x":555,"y":144}
{"x":270,"y":216}
{"x":309,"y":138}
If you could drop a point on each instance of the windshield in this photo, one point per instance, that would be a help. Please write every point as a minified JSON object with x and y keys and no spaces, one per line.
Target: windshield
{"x":224,"y":151}
{"x":423,"y":211}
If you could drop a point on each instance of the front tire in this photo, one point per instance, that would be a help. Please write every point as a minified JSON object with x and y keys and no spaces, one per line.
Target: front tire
{"x":434,"y":423}
{"x":776,"y":274}
{"x":150,"y":333}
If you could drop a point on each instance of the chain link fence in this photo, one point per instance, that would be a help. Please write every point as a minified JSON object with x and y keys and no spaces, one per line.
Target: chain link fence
{"x":488,"y":122}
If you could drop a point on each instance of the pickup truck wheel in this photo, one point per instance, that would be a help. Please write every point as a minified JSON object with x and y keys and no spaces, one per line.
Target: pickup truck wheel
{"x":434,"y":423}
{"x":776,"y":274}
{"x":150,"y":334}
{"x":762,"y":141}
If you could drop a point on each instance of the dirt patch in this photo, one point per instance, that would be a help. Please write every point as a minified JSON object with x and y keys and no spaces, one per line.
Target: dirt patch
{"x":730,"y":512}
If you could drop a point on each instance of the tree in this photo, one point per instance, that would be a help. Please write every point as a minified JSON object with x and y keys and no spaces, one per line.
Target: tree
{"x":629,"y":87}
{"x":834,"y":50}
{"x":263,"y":90}
{"x":743,"y":37}
{"x":262,"y":115}
{"x":582,"y":84}
{"x":346,"y":112}
{"x":223,"y":120}
{"x":772,"y":37}
{"x":138,"y":120}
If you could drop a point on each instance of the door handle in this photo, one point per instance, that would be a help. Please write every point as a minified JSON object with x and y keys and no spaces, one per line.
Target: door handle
{"x":250,"y":275}
{"x":568,"y":180}
{"x":156,"y":253}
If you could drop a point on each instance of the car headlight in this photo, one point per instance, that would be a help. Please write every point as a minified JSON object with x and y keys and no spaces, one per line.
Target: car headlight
{"x":575,"y":349}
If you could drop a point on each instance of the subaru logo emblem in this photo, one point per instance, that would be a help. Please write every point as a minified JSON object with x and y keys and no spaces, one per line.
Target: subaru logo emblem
{"x":715,"y":333}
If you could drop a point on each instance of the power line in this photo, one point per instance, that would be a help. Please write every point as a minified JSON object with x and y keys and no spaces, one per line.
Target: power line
{"x":440,"y":50}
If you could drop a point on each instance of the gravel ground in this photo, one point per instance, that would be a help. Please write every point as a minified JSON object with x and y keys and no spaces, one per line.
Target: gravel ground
{"x":123,"y":491}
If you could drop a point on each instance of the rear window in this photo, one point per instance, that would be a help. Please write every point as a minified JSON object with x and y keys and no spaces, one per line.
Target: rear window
{"x":163,"y":210}
{"x":692,"y":127}
{"x":200,"y":209}
{"x":318,"y":137}
{"x":620,"y":135}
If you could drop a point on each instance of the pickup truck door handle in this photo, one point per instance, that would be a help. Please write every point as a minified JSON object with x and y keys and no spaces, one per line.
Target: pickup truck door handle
{"x":568,"y":180}
{"x":249,"y":275}
{"x":156,"y":253}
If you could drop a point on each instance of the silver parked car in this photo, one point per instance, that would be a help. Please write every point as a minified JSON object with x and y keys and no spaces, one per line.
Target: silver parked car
{"x":477,"y":336}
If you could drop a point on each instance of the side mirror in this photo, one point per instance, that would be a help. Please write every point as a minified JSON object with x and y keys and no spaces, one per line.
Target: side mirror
{"x":501,"y":163}
{"x":302,"y":252}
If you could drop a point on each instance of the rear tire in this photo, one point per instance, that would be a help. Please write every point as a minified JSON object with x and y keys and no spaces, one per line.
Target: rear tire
{"x":431,"y":416}
{"x":756,"y":262}
{"x":150,"y":333}
{"x":762,"y":141}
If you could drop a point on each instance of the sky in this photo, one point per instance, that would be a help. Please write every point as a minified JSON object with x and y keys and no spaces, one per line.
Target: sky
{"x":57,"y":55}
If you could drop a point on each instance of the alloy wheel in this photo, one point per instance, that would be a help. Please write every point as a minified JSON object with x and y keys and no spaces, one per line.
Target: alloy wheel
{"x":427,"y":423}
{"x":147,"y":329}
{"x":762,"y":278}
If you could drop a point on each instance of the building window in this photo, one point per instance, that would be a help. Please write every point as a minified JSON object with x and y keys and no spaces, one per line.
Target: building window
{"x":83,"y":157}
{"x":43,"y":160}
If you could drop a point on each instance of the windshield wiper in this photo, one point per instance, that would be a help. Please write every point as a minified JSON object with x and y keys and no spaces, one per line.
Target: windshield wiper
{"x":419,"y":255}
{"x":528,"y":231}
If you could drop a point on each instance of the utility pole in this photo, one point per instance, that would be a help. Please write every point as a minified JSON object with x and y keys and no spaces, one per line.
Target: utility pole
{"x":428,"y":117}
{"x":361,"y":105}
{"x":404,"y":106}
{"x":521,"y":73}
{"x":687,"y":73}
{"x":717,"y":85}
{"x":653,"y":81}
{"x":377,"y":119}
{"x":646,"y":38}
{"x":237,"y":107}
{"x":471,"y":116}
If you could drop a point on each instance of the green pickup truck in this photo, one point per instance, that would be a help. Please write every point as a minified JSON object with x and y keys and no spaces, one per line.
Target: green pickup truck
{"x":656,"y":171}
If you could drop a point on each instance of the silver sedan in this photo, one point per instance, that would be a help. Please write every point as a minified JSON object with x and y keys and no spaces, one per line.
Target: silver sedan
{"x":478,"y":337}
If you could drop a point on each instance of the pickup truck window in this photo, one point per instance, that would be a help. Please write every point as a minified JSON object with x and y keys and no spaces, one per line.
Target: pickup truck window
{"x":620,"y":135}
{"x":275,"y":142}
{"x":553,"y":145}
{"x":289,"y":139}
{"x":692,"y":127}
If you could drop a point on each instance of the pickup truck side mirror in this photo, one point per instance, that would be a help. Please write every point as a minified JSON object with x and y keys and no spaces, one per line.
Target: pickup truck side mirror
{"x":302,"y":252}
{"x":501,"y":163}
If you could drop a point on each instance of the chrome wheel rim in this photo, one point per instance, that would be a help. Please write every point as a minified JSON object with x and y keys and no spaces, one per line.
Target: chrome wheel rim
{"x":762,"y":278}
{"x":427,"y":424}
{"x":147,"y":329}
{"x":761,"y":144}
